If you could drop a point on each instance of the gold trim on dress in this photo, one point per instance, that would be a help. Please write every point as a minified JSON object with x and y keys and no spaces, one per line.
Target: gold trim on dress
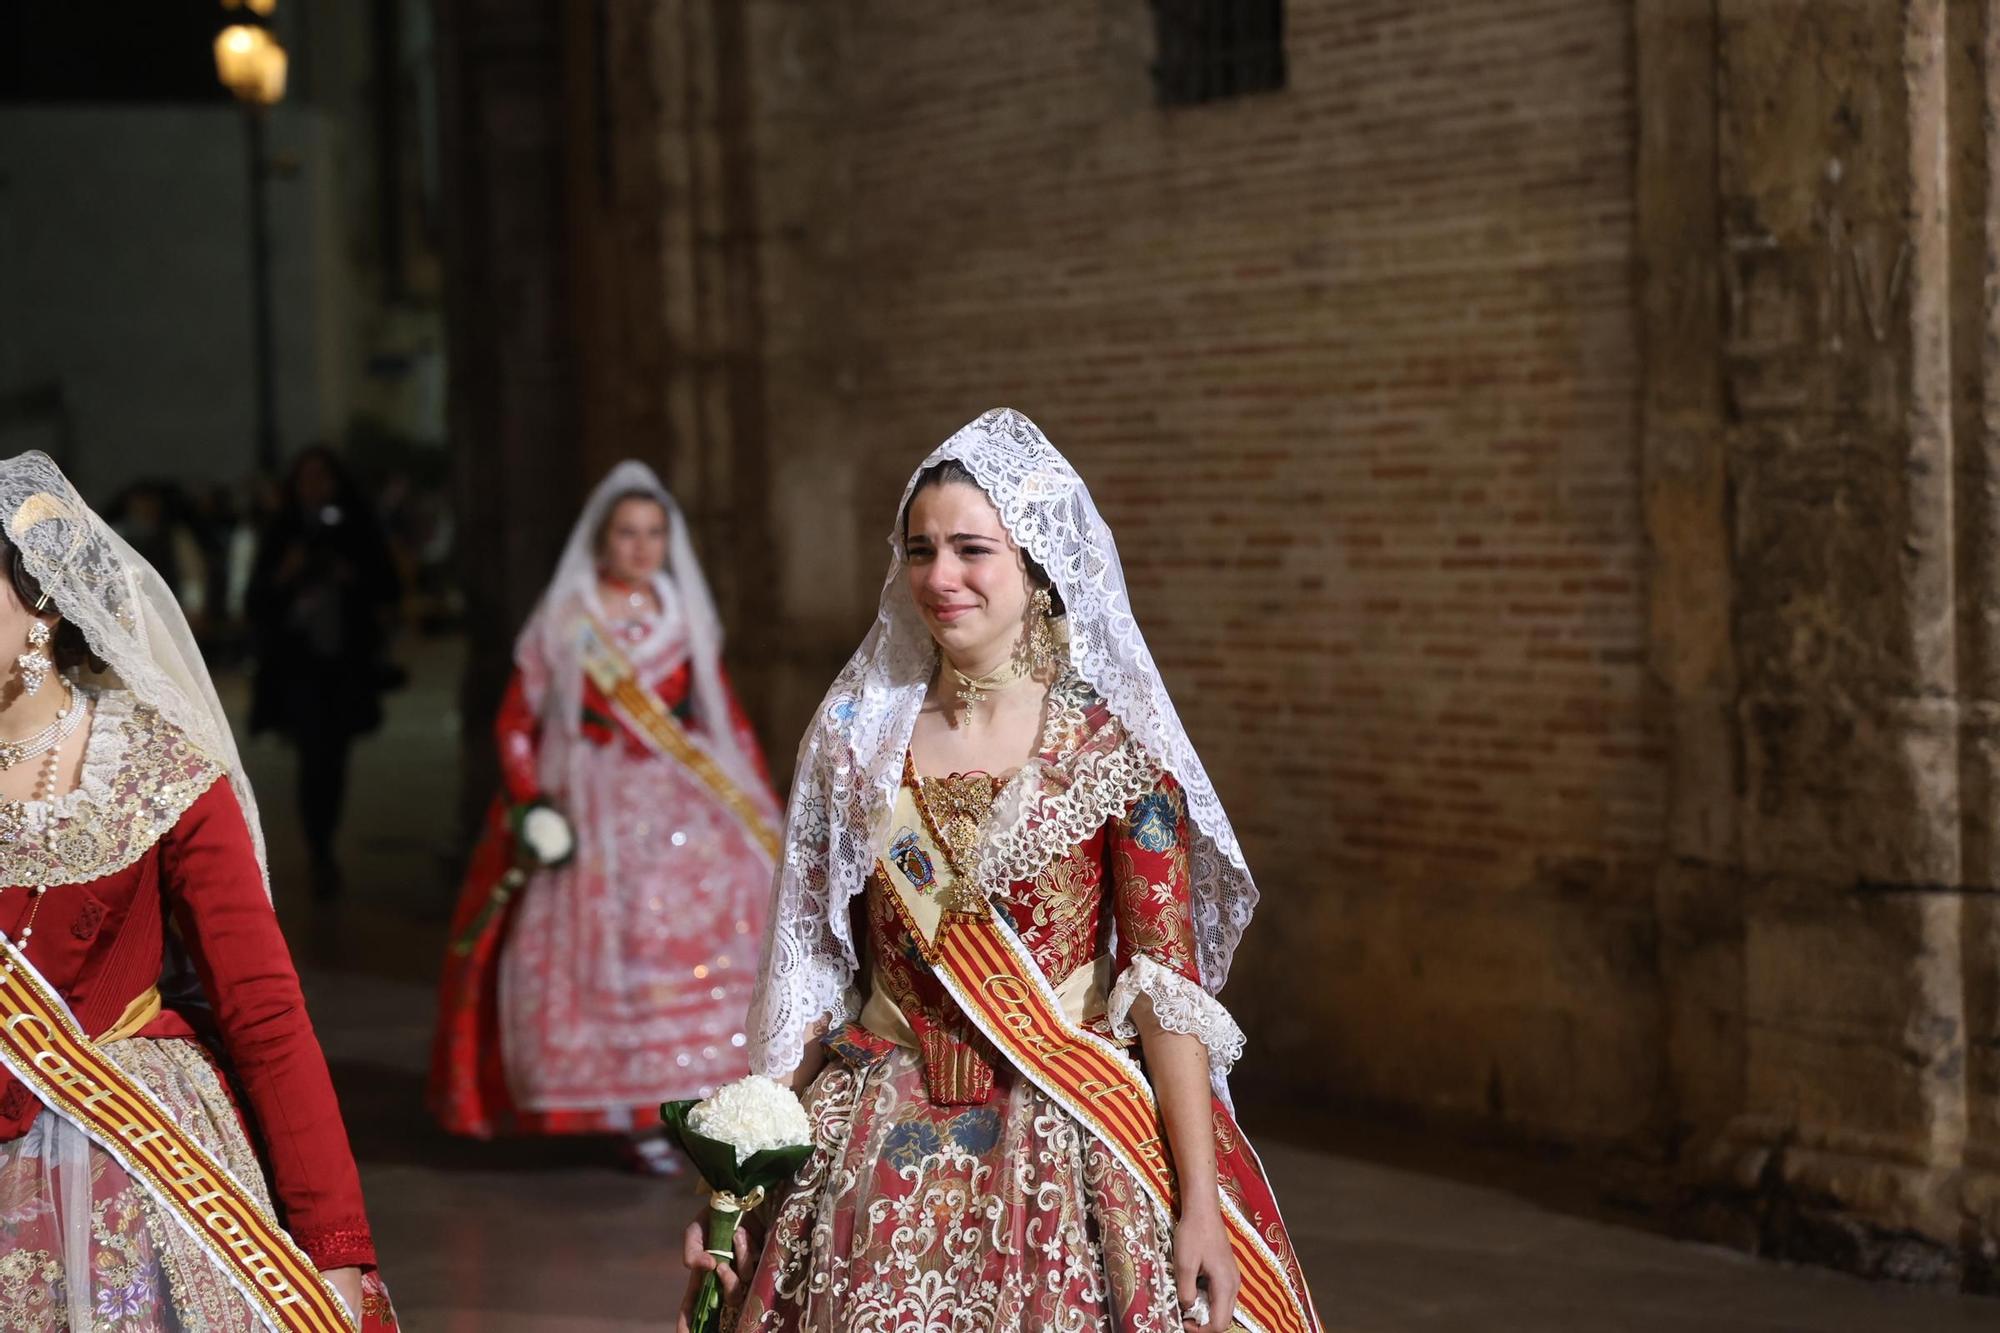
{"x":141,"y":774}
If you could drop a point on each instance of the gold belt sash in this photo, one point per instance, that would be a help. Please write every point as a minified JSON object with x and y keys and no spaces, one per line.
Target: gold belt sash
{"x":42,"y":1045}
{"x":145,"y":1007}
{"x":1081,"y":997}
{"x":618,"y":681}
{"x":986,"y":968}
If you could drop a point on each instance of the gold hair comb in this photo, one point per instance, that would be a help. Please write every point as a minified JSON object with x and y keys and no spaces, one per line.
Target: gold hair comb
{"x":39,"y":508}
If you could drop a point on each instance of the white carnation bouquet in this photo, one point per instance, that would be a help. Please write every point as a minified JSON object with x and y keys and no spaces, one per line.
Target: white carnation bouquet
{"x":746,"y":1139}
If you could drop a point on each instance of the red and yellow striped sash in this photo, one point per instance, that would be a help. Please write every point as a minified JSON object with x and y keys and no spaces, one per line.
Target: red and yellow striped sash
{"x":614,"y":676}
{"x":996,"y":983}
{"x":42,"y":1045}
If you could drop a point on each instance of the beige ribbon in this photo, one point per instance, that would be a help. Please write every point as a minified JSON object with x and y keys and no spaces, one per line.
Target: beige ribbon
{"x":722,"y":1201}
{"x":145,"y":1007}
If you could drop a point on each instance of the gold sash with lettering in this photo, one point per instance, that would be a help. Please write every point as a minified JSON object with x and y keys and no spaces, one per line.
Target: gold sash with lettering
{"x":42,"y":1045}
{"x":986,"y":968}
{"x":618,"y":681}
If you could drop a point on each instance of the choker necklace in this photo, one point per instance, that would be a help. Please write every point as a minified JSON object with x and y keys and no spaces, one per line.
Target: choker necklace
{"x":975,"y":690}
{"x":49,"y":738}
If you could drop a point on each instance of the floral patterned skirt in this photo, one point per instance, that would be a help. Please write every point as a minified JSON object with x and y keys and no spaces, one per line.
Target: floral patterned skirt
{"x":918,"y":1218}
{"x":84,"y":1247}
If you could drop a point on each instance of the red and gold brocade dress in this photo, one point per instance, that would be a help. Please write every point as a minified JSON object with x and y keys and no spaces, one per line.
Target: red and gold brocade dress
{"x":150,"y":857}
{"x":947,"y":1191}
{"x":620,"y":979}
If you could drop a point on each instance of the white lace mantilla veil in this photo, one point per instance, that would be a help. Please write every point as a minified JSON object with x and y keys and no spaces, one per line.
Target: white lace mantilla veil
{"x":852,"y":757}
{"x":548,"y":649}
{"x":126,"y":611}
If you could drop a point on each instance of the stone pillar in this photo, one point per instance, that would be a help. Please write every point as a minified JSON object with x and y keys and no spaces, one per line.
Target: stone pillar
{"x":1800,"y":304}
{"x":606,"y":301}
{"x":712,"y":317}
{"x":1974,"y":156}
{"x":618,"y":199}
{"x":513,"y":408}
{"x":664,"y":233}
{"x":1686,"y":491}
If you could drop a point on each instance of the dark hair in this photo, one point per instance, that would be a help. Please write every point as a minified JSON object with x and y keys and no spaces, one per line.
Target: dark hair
{"x":949,"y":471}
{"x":69,"y":649}
{"x":636,"y":493}
{"x":347,"y":491}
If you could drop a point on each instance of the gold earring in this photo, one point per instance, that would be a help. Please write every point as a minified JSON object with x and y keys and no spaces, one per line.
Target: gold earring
{"x":1036,"y":651}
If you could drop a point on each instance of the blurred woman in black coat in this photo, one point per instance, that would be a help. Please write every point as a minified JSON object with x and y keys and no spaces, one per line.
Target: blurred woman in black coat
{"x":321,"y":603}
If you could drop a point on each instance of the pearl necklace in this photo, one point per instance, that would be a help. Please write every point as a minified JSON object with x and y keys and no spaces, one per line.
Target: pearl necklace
{"x":47,"y":742}
{"x":20,"y":941}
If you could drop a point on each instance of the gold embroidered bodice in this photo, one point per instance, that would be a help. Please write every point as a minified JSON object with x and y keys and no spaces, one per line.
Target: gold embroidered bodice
{"x":140,"y":775}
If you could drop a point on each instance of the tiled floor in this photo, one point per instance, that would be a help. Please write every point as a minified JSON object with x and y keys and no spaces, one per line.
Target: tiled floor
{"x":537,"y":1238}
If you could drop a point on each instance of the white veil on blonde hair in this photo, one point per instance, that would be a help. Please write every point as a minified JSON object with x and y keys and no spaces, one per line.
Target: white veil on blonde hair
{"x":128,"y":614}
{"x":852,"y":757}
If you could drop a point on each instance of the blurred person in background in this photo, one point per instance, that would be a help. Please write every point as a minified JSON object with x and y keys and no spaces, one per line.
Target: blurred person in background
{"x":263,"y":501}
{"x":321,"y":602}
{"x":606,"y":939}
{"x":216,"y":517}
{"x":155,"y":518}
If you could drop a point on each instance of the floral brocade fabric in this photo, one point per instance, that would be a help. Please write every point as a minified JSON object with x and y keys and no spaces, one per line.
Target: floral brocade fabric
{"x":918,"y":1218}
{"x":947,"y":1191}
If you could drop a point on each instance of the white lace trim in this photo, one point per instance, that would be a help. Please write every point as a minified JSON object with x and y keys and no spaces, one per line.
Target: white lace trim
{"x":1180,"y":1006}
{"x":139,"y":776}
{"x":104,"y":748}
{"x":1055,"y":804}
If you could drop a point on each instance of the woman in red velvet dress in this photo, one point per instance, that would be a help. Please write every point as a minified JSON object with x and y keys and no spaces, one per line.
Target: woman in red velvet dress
{"x":591,"y":980}
{"x":132,"y":881}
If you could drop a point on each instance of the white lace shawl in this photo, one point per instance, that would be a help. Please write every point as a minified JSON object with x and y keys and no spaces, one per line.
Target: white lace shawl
{"x":852,"y":756}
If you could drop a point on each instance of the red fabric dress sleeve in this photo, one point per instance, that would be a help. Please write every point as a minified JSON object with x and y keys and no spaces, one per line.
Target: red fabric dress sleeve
{"x":514,"y":730}
{"x":1153,"y":892}
{"x":210,"y":879}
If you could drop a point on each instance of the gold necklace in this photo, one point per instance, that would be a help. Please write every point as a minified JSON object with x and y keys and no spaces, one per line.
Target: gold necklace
{"x":956,"y":808}
{"x":976,"y":690}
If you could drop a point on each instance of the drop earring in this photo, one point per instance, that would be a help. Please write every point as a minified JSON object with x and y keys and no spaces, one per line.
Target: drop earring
{"x":1037,"y":650}
{"x":34,"y":664}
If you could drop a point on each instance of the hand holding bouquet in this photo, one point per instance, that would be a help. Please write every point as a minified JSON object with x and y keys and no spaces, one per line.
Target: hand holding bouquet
{"x":745,"y":1140}
{"x":544,"y":833}
{"x":543,"y":839}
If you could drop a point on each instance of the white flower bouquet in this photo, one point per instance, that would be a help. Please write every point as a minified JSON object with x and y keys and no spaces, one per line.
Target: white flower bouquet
{"x":544,"y":833}
{"x":746,"y":1139}
{"x":544,"y":839}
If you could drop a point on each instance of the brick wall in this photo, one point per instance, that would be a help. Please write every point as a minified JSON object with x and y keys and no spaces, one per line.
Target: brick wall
{"x":1352,"y":371}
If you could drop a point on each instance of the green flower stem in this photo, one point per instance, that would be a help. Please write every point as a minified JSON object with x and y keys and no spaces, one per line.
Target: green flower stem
{"x":722,"y":1224}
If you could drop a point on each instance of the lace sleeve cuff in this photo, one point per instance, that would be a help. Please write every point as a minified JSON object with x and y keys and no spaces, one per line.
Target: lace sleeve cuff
{"x":1180,"y":1006}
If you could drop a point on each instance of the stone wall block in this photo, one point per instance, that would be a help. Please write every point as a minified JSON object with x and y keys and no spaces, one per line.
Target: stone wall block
{"x":1855,"y":1031}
